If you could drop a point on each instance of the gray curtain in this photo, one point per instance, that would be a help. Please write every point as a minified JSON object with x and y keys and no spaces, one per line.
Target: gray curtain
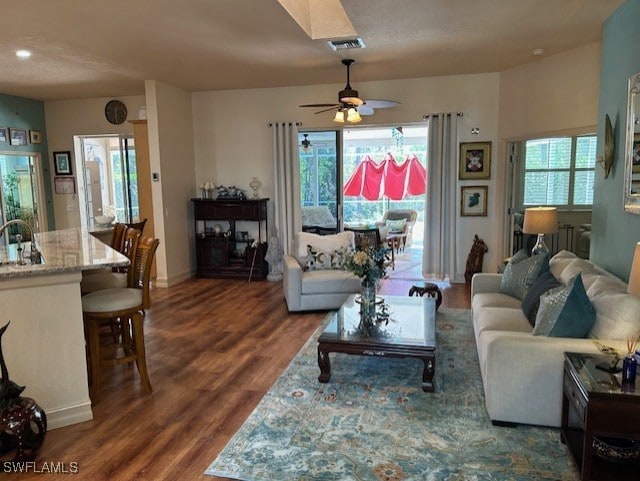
{"x":286,"y":168}
{"x":440,"y":227}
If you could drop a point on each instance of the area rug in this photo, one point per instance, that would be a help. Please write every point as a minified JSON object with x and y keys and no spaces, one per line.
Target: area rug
{"x":372,"y":421}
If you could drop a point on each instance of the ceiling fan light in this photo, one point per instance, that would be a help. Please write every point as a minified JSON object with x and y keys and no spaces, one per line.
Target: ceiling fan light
{"x":339,"y":117}
{"x":353,"y":116}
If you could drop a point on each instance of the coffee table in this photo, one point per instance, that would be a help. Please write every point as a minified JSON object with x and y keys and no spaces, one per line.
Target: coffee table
{"x":411,"y":332}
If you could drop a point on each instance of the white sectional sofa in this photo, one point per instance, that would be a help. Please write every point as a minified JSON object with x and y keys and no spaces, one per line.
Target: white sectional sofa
{"x":522,"y":373}
{"x":327,"y":288}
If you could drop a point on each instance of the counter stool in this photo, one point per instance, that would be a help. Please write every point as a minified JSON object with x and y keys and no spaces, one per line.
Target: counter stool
{"x":428,"y":288}
{"x":126,"y":306}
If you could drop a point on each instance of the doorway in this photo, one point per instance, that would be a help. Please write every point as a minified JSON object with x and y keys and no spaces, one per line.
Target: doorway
{"x":20,"y":194}
{"x":109,"y":174}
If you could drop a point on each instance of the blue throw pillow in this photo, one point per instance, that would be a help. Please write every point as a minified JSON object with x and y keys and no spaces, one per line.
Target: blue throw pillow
{"x":565,"y":311}
{"x":521,"y":272}
{"x":531,"y":301}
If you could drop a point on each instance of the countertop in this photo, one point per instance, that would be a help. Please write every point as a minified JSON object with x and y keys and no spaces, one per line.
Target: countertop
{"x":68,"y":250}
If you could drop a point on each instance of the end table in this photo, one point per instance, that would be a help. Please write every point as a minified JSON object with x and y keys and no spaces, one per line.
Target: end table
{"x":595,"y":404}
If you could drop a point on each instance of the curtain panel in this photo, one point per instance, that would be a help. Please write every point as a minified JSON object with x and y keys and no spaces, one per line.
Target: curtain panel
{"x":440,"y":226}
{"x":286,"y":168}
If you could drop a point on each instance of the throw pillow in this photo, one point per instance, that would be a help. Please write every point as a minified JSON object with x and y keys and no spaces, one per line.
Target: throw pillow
{"x":521,"y":271}
{"x":531,"y":300}
{"x":317,"y":260}
{"x":339,"y":258}
{"x":565,"y":311}
{"x":396,"y":225}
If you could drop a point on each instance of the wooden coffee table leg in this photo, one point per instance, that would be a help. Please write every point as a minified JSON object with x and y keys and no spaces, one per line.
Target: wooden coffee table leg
{"x":428,"y":372}
{"x":325,"y":365}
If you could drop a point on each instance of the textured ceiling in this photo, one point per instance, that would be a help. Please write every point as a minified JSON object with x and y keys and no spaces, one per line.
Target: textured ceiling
{"x":95,"y":48}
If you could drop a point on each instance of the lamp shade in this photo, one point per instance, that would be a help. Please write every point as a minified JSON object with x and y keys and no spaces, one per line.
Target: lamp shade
{"x":634,"y":277}
{"x":540,"y":220}
{"x":339,"y":116}
{"x":353,"y":116}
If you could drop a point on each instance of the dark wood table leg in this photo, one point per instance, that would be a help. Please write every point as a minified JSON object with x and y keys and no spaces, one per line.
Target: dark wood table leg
{"x":324,"y":364}
{"x":428,"y":372}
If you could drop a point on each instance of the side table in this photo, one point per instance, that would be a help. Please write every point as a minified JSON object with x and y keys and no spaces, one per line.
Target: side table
{"x":595,"y":404}
{"x":428,"y":288}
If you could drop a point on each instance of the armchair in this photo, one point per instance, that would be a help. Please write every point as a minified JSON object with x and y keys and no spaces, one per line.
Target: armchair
{"x":410,"y":216}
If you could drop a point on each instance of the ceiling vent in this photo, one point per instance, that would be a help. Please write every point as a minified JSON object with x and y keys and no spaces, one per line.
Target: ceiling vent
{"x":346,"y":44}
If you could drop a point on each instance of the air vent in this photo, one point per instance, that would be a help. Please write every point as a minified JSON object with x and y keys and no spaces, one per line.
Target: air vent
{"x":346,"y":44}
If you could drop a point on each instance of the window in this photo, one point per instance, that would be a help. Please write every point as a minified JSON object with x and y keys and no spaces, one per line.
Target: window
{"x":559,"y":171}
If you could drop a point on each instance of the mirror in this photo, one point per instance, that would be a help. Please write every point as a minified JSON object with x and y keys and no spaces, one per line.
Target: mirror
{"x":632,"y":149}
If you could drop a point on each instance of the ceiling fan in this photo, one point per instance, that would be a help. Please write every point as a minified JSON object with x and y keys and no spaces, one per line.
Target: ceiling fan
{"x":350,"y":106}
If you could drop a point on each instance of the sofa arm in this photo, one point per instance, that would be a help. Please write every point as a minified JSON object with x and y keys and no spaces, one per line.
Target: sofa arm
{"x":485,"y":282}
{"x":292,"y":282}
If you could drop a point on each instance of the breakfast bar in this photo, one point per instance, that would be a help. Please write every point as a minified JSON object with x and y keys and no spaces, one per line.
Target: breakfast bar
{"x":44,"y":346}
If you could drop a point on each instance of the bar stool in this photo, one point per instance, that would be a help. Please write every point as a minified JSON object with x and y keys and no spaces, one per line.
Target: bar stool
{"x":128,"y":306}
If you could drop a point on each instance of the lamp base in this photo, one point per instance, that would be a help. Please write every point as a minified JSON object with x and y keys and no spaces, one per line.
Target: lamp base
{"x":540,"y":248}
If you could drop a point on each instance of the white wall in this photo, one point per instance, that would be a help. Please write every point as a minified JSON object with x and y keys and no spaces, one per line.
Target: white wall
{"x":66,"y":118}
{"x":169,"y":120}
{"x":233,"y":140}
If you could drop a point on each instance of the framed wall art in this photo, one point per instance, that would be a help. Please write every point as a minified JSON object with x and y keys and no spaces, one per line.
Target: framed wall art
{"x":65,"y":185}
{"x":62,"y":163}
{"x":3,"y":134}
{"x":473,"y":200}
{"x":35,"y":137}
{"x":17,"y":136}
{"x":636,"y":154}
{"x":475,"y":160}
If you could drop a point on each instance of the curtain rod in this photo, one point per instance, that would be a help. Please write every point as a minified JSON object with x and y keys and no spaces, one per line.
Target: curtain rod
{"x":298,"y":124}
{"x":426,"y":116}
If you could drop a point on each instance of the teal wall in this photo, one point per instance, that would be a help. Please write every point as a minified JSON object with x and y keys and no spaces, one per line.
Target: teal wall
{"x":615,"y":232}
{"x":28,"y":114}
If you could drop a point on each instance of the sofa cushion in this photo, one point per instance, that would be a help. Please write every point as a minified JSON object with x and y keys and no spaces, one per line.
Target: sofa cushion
{"x":565,"y":311}
{"x":396,"y":225}
{"x":521,"y":272}
{"x":329,"y":282}
{"x":317,"y":260}
{"x":501,"y":319}
{"x":617,"y":312}
{"x":494,"y":299}
{"x":531,"y":301}
{"x":324,"y":243}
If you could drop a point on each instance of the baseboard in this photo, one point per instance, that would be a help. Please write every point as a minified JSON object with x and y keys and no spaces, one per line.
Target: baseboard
{"x":173,"y":280}
{"x":69,"y":415}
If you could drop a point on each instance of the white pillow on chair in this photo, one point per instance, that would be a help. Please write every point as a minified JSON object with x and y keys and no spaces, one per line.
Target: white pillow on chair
{"x":325,"y":243}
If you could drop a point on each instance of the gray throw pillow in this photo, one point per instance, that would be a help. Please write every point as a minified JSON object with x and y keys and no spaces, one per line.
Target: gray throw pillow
{"x":521,"y":272}
{"x":565,"y":311}
{"x":531,"y":301}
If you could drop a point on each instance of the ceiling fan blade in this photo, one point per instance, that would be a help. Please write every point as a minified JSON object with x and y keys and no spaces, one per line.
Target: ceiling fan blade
{"x":381,"y":104}
{"x":318,"y":105}
{"x":326,"y":110}
{"x":365,"y":110}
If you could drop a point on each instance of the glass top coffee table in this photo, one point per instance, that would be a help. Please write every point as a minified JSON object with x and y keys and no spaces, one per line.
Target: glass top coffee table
{"x":411,"y":332}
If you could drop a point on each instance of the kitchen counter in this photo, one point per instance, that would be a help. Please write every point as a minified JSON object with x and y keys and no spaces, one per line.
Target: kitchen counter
{"x":44,"y":346}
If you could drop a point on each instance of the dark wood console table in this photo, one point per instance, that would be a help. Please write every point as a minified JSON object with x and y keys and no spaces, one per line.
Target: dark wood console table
{"x":229,"y":254}
{"x":595,"y":404}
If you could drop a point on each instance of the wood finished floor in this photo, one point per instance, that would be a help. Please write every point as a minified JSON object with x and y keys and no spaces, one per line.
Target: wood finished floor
{"x":214,"y":347}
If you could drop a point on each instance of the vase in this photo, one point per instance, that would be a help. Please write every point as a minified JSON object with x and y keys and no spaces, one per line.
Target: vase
{"x":368,"y":302}
{"x":629,"y":366}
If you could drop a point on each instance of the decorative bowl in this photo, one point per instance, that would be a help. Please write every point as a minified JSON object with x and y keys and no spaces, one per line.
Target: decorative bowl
{"x":104,"y":219}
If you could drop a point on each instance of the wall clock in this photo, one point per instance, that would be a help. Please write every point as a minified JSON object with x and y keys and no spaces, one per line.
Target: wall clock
{"x":115,"y":112}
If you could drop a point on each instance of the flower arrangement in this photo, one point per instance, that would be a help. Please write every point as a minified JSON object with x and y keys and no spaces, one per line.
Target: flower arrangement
{"x":368,"y":264}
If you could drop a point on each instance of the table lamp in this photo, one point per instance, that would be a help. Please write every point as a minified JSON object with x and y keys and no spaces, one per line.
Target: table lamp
{"x":541,"y":221}
{"x":634,"y":277}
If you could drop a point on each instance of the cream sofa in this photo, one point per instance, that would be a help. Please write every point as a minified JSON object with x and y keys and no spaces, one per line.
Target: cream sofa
{"x":522,"y":373}
{"x":307,"y":290}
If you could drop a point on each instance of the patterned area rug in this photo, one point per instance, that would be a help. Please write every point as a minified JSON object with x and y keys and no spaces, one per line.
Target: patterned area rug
{"x":374,"y":422}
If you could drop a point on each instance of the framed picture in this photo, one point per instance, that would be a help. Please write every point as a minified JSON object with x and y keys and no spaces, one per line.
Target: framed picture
{"x":35,"y":137}
{"x":17,"y":136}
{"x":473,"y":200}
{"x":65,"y":185}
{"x":3,"y":134}
{"x":475,"y":160}
{"x":636,"y":154}
{"x":62,"y":161}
